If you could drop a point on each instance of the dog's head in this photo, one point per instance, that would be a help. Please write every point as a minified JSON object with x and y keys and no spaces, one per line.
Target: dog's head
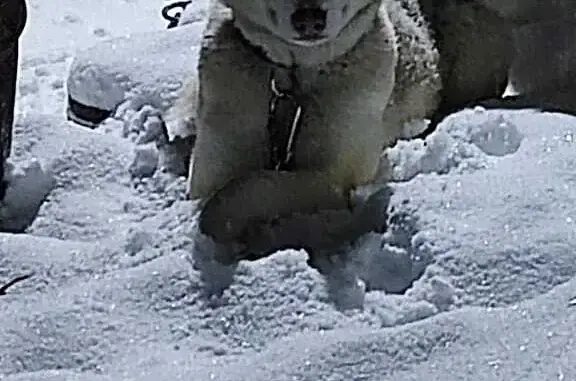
{"x":300,"y":22}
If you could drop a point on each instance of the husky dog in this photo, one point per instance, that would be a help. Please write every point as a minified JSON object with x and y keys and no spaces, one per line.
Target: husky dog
{"x":487,"y":45}
{"x":294,"y":104}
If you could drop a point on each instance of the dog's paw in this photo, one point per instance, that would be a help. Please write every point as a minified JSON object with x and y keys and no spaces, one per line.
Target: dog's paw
{"x":341,"y":274}
{"x":348,"y":295}
{"x":216,"y":264}
{"x":26,"y":188}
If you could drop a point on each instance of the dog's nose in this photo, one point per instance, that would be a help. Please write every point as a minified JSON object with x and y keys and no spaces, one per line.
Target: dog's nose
{"x":308,"y":21}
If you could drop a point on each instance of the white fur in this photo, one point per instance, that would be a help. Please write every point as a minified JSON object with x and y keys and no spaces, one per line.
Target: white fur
{"x":283,"y":51}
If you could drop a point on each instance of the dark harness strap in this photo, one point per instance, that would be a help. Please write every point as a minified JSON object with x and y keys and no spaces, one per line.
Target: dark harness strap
{"x":284,"y":119}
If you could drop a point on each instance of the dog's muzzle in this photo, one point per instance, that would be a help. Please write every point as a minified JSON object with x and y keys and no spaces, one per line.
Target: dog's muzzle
{"x":309,"y":23}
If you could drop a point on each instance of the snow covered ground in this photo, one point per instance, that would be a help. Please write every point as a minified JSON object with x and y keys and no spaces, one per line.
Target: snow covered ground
{"x":484,"y":212}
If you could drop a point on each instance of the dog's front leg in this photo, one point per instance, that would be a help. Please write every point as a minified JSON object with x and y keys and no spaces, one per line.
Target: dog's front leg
{"x":231,"y":140}
{"x":337,"y":150}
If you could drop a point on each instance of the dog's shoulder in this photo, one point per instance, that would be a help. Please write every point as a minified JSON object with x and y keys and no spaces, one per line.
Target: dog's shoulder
{"x":219,"y":28}
{"x":418,"y":56}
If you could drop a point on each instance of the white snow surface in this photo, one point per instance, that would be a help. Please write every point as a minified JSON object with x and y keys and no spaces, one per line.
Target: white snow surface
{"x":484,"y":211}
{"x":127,"y":68}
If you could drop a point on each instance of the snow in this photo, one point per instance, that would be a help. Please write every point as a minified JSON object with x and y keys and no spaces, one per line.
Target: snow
{"x":483,"y":215}
{"x":126,"y":68}
{"x":130,"y":69}
{"x":28,"y":185}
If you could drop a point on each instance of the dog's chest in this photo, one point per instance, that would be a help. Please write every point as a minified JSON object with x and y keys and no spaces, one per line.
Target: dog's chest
{"x":291,"y":92}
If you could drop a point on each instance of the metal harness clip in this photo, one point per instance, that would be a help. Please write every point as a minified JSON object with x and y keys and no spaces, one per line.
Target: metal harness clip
{"x":284,"y":119}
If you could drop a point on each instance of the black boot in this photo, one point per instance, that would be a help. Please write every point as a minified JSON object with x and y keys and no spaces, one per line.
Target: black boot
{"x":12,"y":20}
{"x":24,"y":187}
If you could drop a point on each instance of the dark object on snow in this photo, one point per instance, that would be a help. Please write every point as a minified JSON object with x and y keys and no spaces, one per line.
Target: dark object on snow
{"x":280,"y":218}
{"x":84,"y":115}
{"x":12,"y":20}
{"x":323,"y":231}
{"x":4,"y":288}
{"x":173,"y":20}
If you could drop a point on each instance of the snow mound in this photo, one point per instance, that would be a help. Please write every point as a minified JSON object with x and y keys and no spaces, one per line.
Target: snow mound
{"x":456,"y":148}
{"x":109,"y":254}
